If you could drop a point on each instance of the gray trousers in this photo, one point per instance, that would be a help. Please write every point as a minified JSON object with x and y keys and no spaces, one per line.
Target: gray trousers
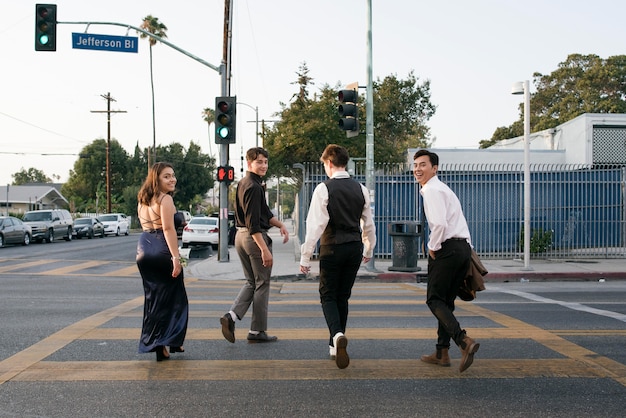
{"x":256,"y":290}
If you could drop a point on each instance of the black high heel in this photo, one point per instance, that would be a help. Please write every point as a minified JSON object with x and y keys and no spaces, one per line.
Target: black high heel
{"x":180,"y":349}
{"x":160,"y":353}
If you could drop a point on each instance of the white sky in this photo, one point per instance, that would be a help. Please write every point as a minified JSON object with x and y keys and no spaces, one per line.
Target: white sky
{"x":471,"y":51}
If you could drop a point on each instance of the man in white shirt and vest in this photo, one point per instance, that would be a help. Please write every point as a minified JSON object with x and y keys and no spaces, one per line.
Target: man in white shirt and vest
{"x":340,"y":217}
{"x":449,"y":255}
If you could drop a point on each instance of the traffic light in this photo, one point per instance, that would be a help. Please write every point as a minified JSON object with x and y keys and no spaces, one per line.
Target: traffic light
{"x":348,"y":110}
{"x":225,"y":119}
{"x":45,"y":27}
{"x":225,"y":174}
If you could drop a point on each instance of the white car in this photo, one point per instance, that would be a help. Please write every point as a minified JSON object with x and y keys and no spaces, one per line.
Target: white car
{"x":115,"y":223}
{"x":201,"y":230}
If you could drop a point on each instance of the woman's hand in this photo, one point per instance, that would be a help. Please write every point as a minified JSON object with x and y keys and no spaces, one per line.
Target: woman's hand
{"x":177,"y":267}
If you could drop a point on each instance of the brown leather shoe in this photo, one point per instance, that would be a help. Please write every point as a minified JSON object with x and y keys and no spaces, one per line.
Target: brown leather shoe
{"x":228,"y":327}
{"x":439,"y":357}
{"x":468,"y":348}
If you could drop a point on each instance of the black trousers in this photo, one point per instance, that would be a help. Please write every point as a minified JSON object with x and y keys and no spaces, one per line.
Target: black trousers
{"x":339,"y":265}
{"x":445,"y":274}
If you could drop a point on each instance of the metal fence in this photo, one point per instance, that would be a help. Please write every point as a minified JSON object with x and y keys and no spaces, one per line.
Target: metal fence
{"x":576,"y":211}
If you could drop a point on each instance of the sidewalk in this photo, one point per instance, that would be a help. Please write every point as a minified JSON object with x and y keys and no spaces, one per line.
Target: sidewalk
{"x":287,"y":262}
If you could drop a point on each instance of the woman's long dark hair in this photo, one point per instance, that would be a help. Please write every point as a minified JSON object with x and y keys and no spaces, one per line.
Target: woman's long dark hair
{"x":150,"y":187}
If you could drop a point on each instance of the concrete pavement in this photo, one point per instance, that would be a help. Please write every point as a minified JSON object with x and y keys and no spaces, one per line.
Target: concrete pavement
{"x":287,"y":260}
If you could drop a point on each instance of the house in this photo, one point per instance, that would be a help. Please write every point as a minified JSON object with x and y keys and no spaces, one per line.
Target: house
{"x":20,"y":199}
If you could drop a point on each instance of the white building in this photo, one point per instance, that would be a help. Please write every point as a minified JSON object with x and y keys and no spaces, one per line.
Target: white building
{"x":589,"y":139}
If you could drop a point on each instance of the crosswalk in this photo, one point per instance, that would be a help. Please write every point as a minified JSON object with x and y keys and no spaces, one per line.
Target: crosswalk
{"x":389,"y":328}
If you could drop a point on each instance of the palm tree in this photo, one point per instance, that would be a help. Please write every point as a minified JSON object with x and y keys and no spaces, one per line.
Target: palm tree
{"x":151,"y":24}
{"x":208,"y":115}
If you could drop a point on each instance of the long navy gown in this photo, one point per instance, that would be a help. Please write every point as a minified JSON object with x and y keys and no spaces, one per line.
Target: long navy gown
{"x":166,"y":308}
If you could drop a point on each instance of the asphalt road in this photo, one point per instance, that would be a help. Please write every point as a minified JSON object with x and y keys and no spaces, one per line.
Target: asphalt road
{"x":71,"y":316}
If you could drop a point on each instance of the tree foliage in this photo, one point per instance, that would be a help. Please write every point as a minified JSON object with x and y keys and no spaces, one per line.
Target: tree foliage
{"x":581,"y":84}
{"x":308,"y":124}
{"x":32,"y":175}
{"x":86,"y":187}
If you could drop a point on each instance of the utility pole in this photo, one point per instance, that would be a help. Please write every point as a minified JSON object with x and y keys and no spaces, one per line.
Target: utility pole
{"x":109,"y":99}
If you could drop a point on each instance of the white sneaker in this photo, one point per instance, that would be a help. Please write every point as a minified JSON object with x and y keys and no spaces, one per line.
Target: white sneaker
{"x":332,"y":351}
{"x":340,"y":342}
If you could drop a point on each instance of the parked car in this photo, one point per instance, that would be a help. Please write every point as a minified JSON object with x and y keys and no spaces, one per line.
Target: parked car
{"x":88,"y":227}
{"x":186,"y":218}
{"x":232,"y":229}
{"x":115,"y":223}
{"x":201,"y":230}
{"x":14,"y":231}
{"x":49,"y":224}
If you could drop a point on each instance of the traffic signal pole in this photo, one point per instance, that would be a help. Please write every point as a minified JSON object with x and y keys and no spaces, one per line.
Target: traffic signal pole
{"x":223,"y":255}
{"x":370,"y":179}
{"x":224,"y":71}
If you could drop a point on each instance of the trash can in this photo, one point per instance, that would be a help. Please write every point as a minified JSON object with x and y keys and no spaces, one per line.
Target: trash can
{"x":405,"y":245}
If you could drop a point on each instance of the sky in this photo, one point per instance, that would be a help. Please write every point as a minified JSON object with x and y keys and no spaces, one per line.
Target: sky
{"x":470,"y":51}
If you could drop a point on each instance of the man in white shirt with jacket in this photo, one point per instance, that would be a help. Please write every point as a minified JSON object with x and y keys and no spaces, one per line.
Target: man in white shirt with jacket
{"x":449,"y":255}
{"x":341,"y":218}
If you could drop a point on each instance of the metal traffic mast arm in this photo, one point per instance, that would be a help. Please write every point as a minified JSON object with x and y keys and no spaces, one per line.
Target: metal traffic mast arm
{"x":152,"y":35}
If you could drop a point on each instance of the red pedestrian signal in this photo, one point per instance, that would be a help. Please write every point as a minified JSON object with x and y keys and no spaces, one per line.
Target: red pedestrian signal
{"x":225,"y":174}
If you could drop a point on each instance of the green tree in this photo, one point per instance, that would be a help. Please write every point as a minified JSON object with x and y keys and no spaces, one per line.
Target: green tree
{"x":401,"y":110}
{"x":32,"y":175}
{"x":194,"y":172}
{"x":581,"y":84}
{"x":308,"y":124}
{"x":151,"y":24}
{"x":89,"y":174}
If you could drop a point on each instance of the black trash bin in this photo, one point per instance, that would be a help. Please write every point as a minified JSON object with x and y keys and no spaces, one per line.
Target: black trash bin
{"x":405,"y":245}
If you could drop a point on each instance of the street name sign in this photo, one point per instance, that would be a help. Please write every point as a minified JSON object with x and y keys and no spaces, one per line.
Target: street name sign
{"x":105,"y":42}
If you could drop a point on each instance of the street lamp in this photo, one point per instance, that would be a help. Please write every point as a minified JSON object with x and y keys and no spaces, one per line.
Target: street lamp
{"x":256,"y":111}
{"x":523,"y":88}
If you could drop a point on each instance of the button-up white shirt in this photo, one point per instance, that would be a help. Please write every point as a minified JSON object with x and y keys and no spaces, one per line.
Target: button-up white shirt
{"x":318,"y":218}
{"x":443,"y":213}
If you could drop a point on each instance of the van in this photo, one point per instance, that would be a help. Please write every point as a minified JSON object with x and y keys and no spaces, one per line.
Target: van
{"x":50,"y":224}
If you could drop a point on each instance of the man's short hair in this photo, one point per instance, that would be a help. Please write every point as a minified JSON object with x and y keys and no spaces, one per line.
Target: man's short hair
{"x":434,"y":158}
{"x":336,"y":154}
{"x":253,"y":153}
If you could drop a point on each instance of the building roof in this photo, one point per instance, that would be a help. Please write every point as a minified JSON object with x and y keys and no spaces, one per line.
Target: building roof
{"x":31,"y":194}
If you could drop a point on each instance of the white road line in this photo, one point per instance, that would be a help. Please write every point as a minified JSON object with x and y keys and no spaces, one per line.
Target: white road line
{"x":571,"y":305}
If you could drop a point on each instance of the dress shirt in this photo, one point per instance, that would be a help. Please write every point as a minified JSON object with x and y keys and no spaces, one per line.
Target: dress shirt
{"x":251,"y":210}
{"x":318,"y":219}
{"x":443,"y":213}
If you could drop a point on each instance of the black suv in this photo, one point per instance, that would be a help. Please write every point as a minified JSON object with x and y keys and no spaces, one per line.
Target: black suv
{"x":49,"y":224}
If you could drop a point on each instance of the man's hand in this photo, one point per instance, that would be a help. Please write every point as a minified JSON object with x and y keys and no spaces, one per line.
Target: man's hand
{"x":304,"y":269}
{"x":267,"y":258}
{"x":284,"y":233}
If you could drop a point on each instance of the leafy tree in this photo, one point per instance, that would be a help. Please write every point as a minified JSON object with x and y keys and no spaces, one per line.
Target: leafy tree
{"x":581,"y":84}
{"x":308,"y":124}
{"x":401,"y":110}
{"x":194,"y":171}
{"x":151,"y":24}
{"x":32,"y":175}
{"x":89,"y":173}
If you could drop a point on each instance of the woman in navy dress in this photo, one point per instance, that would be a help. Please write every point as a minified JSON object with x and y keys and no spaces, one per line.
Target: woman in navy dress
{"x":166,"y":308}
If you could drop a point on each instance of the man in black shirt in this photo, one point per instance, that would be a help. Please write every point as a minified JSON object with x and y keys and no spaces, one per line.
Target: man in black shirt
{"x":254,"y":247}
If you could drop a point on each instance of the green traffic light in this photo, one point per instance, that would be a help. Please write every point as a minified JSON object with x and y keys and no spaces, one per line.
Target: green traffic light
{"x":223,"y":132}
{"x":44,"y":39}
